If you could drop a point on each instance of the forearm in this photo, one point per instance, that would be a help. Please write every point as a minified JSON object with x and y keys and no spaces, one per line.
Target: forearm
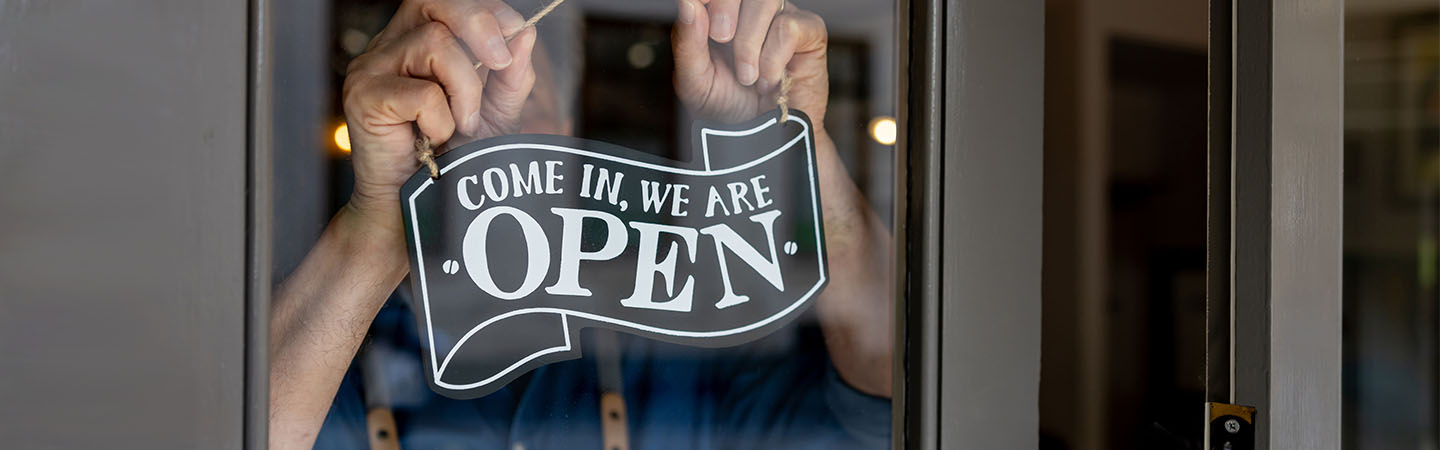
{"x":320,"y":316}
{"x":856,"y":308}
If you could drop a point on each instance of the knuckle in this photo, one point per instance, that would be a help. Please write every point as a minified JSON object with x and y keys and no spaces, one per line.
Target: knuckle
{"x":789,"y":27}
{"x":817,"y":22}
{"x":379,"y":39}
{"x":353,"y":90}
{"x":435,"y":35}
{"x":778,"y":24}
{"x":357,"y":64}
{"x":430,"y":9}
{"x":529,"y":79}
{"x":432,"y":94}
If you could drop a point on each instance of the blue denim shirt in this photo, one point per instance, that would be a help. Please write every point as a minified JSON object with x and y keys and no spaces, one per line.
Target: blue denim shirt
{"x":778,"y":392}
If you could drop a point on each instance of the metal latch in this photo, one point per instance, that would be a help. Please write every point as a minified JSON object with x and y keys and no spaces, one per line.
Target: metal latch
{"x":1232,"y":427}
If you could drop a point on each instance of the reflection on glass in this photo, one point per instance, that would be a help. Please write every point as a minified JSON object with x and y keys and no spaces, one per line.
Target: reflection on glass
{"x":1392,"y":218}
{"x":347,"y":347}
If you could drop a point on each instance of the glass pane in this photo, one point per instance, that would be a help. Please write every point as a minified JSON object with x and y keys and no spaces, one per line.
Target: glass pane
{"x":1392,"y":218}
{"x":1123,"y":345}
{"x":622,"y":243}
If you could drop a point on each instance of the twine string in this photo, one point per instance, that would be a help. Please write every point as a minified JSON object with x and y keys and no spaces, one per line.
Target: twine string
{"x":427,"y":154}
{"x":782,"y":98}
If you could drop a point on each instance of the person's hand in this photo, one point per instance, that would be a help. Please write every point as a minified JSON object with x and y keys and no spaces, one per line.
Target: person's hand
{"x":755,"y":44}
{"x":420,"y":70}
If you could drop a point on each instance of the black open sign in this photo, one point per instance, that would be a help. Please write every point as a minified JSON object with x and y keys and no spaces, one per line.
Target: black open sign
{"x":522,"y":241}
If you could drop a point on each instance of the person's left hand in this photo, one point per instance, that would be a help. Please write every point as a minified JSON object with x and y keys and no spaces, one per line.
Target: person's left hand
{"x":755,"y":44}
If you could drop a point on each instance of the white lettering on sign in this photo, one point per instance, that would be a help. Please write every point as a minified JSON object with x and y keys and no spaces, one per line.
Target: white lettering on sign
{"x":497,"y":184}
{"x":464,"y":193}
{"x":647,"y":268}
{"x":740,"y":194}
{"x":570,"y":253}
{"x":617,"y":238}
{"x":527,"y":183}
{"x":725,"y":238}
{"x":477,"y":259}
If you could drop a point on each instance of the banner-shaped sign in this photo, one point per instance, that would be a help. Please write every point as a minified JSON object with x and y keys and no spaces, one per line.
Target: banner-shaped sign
{"x":524,"y":240}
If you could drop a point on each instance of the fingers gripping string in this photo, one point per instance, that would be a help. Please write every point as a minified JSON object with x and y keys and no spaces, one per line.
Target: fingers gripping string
{"x":529,"y":23}
{"x":424,"y":148}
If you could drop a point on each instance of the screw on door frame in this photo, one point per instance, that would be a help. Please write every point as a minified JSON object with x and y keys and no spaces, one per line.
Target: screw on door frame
{"x":1229,"y":427}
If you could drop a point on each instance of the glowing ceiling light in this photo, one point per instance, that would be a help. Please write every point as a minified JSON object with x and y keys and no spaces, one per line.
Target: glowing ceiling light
{"x":883,"y":129}
{"x":641,"y":56}
{"x":342,"y":137}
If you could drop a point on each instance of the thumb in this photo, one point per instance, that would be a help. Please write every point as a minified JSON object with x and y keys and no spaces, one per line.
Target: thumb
{"x":691,"y":42}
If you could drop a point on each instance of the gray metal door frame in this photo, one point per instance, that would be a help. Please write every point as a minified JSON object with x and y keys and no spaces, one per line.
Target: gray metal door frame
{"x":259,"y":221}
{"x":969,"y":224}
{"x":123,"y":147}
{"x":1275,"y":310}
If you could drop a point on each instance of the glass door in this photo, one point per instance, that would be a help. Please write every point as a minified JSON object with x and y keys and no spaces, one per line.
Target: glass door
{"x":1392,"y":217}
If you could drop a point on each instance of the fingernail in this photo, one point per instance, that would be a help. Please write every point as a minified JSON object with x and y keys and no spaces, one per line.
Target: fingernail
{"x":687,"y":12}
{"x":472,"y":124}
{"x":510,"y":21}
{"x":748,"y":73}
{"x":721,"y":28}
{"x":496,"y":47}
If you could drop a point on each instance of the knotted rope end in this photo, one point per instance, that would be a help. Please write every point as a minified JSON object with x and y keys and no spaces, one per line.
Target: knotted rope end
{"x":427,"y":155}
{"x":783,"y":98}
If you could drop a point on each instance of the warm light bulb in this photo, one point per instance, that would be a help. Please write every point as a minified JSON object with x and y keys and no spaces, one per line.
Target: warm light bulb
{"x":342,"y":137}
{"x":641,"y":56}
{"x":883,"y":130}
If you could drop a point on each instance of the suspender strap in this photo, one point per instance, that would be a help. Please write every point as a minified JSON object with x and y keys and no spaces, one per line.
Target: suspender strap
{"x":379,"y":418}
{"x":614,"y":423}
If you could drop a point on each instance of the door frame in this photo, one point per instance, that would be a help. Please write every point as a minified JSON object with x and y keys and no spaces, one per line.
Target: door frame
{"x":968,"y":224}
{"x":259,"y":218}
{"x":1275,"y":330}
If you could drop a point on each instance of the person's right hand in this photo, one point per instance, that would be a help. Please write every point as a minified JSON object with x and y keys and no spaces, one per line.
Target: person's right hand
{"x":419,"y":70}
{"x":731,"y":55}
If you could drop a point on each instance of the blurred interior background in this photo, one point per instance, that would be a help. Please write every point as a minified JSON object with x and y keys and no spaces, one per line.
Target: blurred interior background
{"x":1392,"y":217}
{"x":1123,"y":345}
{"x":1125,"y":211}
